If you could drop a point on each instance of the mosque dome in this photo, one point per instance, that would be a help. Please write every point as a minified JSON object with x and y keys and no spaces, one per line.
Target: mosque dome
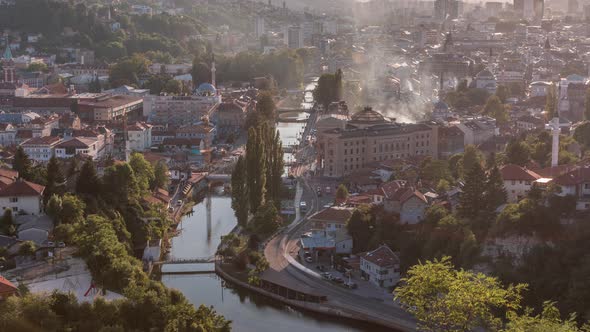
{"x":206,"y":89}
{"x":441,"y":106}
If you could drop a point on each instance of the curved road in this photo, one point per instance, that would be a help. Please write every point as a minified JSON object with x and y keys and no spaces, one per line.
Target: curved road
{"x":277,"y":252}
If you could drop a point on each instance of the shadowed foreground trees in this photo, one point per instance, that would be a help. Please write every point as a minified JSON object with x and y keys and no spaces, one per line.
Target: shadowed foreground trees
{"x":62,"y":312}
{"x":444,"y":299}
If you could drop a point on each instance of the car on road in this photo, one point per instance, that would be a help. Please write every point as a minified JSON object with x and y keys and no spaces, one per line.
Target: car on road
{"x":338,"y":280}
{"x":326,"y":276}
{"x":351,"y":285}
{"x":303,"y":206}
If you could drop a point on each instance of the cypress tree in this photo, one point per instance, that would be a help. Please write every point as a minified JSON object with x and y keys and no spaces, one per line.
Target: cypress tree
{"x":22,"y":164}
{"x":255,"y":170}
{"x":239,"y":192}
{"x":88,"y":182}
{"x":472,"y":199}
{"x":495,"y":194}
{"x":55,"y":180}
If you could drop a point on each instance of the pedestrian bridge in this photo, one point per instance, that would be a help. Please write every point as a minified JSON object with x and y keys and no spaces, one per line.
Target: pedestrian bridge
{"x":188,"y":266}
{"x":219,"y":177}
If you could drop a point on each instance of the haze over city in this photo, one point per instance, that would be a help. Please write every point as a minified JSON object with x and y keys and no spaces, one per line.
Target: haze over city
{"x":297,"y":165}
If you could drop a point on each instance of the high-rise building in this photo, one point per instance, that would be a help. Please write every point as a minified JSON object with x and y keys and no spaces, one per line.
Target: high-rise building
{"x":294,"y":37}
{"x":530,"y":9}
{"x":446,"y":9}
{"x":259,"y":28}
{"x":572,"y":6}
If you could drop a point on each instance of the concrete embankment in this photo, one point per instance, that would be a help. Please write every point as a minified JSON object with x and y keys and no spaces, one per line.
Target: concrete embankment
{"x":309,"y":306}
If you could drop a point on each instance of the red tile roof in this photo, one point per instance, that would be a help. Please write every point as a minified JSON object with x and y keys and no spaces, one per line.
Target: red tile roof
{"x":382,"y":257}
{"x":8,"y":173}
{"x":391,"y":187}
{"x":577,"y":176}
{"x":7,"y":288}
{"x":22,"y":188}
{"x":515,"y":172}
{"x":42,"y":140}
{"x":333,"y":214}
{"x":411,"y":192}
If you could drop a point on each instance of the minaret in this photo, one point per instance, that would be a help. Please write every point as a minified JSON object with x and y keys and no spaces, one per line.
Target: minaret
{"x":213,"y":70}
{"x":555,"y":130}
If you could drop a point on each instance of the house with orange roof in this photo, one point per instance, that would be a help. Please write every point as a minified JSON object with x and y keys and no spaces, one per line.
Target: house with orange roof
{"x":7,"y":288}
{"x":576,"y":183}
{"x":518,"y":181}
{"x":22,"y":196}
{"x":407,"y":201}
{"x":380,"y":266}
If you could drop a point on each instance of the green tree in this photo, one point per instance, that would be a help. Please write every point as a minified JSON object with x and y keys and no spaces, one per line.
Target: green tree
{"x":256,"y":168}
{"x":472,"y":201}
{"x":120,"y":186}
{"x":495,"y":194}
{"x":201,"y":73}
{"x":55,"y":179}
{"x":128,"y":70}
{"x":587,"y":106}
{"x":329,"y":88}
{"x":551,"y":103}
{"x":359,"y":227}
{"x":496,"y":109}
{"x":274,"y":166}
{"x":22,"y":164}
{"x":239,"y":191}
{"x":7,"y":226}
{"x":265,"y":106}
{"x":143,"y":171}
{"x":173,"y":86}
{"x":444,"y":299}
{"x":266,"y":220}
{"x":582,"y":134}
{"x":161,"y":176}
{"x":469,"y":159}
{"x":341,"y":194}
{"x":88,"y":182}
{"x":502,"y":93}
{"x":435,"y":214}
{"x":27,"y":248}
{"x":517,"y":152}
{"x":548,"y":321}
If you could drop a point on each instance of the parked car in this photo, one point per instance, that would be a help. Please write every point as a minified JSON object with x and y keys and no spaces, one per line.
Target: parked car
{"x":326,"y":276}
{"x":179,"y":203}
{"x":309,"y":259}
{"x":351,"y":285}
{"x":338,"y":280}
{"x":61,"y":244}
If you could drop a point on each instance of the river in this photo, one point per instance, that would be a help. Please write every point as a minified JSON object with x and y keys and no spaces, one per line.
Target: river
{"x":200,"y":235}
{"x":249,"y":312}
